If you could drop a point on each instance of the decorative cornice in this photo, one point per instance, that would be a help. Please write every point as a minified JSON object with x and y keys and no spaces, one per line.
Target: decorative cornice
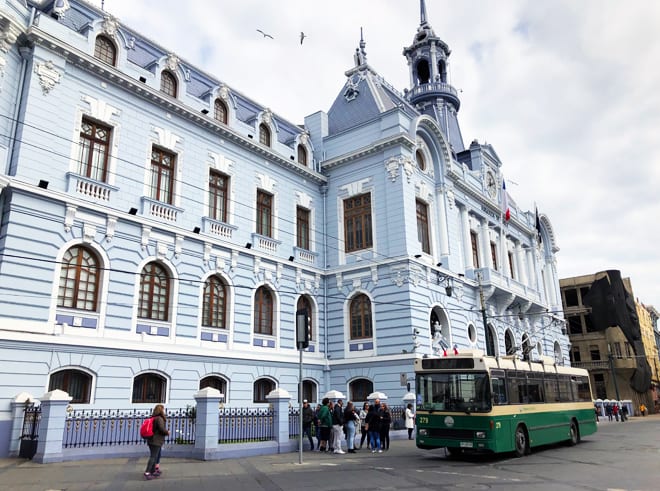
{"x":375,"y":147}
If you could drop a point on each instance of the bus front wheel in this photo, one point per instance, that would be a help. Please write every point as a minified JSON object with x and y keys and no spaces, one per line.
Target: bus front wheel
{"x":522,"y":442}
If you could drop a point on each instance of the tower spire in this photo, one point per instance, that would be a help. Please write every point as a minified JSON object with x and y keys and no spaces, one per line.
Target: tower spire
{"x":422,"y":12}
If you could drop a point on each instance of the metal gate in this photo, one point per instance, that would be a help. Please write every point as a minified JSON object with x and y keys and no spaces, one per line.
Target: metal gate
{"x":30,"y":432}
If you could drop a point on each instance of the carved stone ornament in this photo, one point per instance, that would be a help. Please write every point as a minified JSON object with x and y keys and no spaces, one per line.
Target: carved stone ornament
{"x":172,"y":62}
{"x":392,"y":167}
{"x":223,"y":92}
{"x":267,"y":116}
{"x":60,"y":7}
{"x":110,"y":25}
{"x":304,"y":138}
{"x":451,"y":198}
{"x":48,"y":75}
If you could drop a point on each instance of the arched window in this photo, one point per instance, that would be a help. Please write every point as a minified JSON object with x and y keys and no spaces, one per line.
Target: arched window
{"x":262,"y":388}
{"x":526,"y":347}
{"x":215,"y":303}
{"x":215,"y":382}
{"x":79,"y":279}
{"x":559,"y":357}
{"x":105,"y":50}
{"x":168,"y":83}
{"x":423,"y":72}
{"x":509,"y":343}
{"x":309,"y":391}
{"x":360,"y":312}
{"x":149,"y":387}
{"x":359,"y":389}
{"x":421,"y":161}
{"x":304,"y":303}
{"x":263,"y":311}
{"x":76,"y":383}
{"x":302,"y":155}
{"x":154,"y":293}
{"x":220,"y":111}
{"x":491,"y":341}
{"x":264,"y":135}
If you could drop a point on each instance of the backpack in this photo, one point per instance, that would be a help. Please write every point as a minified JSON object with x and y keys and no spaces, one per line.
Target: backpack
{"x":147,"y":428}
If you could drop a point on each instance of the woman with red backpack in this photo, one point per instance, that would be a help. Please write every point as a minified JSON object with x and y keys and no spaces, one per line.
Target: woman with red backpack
{"x":156,"y":441}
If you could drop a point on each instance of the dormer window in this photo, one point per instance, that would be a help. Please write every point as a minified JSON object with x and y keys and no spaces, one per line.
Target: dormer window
{"x":264,"y":135}
{"x":105,"y":50}
{"x":168,"y":83}
{"x":302,"y":155}
{"x":220,"y":111}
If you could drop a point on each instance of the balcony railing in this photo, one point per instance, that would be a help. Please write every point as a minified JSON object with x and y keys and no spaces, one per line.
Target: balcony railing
{"x":158,"y":209}
{"x":89,"y":188}
{"x":263,"y":243}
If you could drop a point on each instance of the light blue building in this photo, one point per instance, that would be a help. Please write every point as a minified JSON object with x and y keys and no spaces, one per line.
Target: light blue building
{"x":160,"y":229}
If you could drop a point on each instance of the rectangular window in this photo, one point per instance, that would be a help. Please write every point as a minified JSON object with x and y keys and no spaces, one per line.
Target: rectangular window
{"x":474,"y":239}
{"x":594,"y":351}
{"x":617,"y":350}
{"x":493,"y":255}
{"x":357,"y":222}
{"x":218,"y":191}
{"x":94,"y":150}
{"x":264,"y":213}
{"x":570,"y":297}
{"x":576,"y":354}
{"x":162,"y":175}
{"x":510,"y":256}
{"x":302,"y":227}
{"x":423,"y":226}
{"x":629,"y":352}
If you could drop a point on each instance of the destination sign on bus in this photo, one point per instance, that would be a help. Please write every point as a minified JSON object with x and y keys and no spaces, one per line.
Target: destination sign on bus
{"x":447,"y":363}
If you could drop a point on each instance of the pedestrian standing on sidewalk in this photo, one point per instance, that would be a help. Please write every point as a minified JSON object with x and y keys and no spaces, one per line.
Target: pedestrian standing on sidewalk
{"x":351,"y":420}
{"x":373,"y":426}
{"x":363,"y":428}
{"x":325,"y":422}
{"x":156,"y":441}
{"x":307,"y":418}
{"x":385,"y":423}
{"x":337,"y":426}
{"x":410,"y":420}
{"x":642,"y":409}
{"x":624,"y":412}
{"x":615,"y":411}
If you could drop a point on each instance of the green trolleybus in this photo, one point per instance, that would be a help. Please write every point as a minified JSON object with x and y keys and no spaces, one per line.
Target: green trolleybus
{"x":469,"y":402}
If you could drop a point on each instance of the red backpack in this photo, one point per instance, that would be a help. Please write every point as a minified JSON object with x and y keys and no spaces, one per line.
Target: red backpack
{"x":147,"y":428}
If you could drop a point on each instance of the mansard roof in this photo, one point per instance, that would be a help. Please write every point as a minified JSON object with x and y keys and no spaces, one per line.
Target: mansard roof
{"x":364,"y":97}
{"x":147,"y":54}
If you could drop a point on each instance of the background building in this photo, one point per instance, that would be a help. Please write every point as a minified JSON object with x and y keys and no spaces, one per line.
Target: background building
{"x":160,"y":229}
{"x":612,"y":358}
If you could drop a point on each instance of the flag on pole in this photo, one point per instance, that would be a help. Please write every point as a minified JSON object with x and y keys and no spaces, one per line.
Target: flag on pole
{"x":506,"y":211}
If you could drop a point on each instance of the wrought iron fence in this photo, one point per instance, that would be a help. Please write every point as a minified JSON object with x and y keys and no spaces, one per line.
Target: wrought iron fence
{"x":104,"y":427}
{"x":238,"y":425}
{"x":398,"y":416}
{"x":294,"y":422}
{"x":30,"y":431}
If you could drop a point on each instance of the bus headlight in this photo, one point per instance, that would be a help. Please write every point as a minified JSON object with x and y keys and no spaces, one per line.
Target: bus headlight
{"x":423,"y":432}
{"x":480,"y":434}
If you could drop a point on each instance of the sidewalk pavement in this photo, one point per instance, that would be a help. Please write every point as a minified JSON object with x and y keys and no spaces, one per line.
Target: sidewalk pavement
{"x":267,"y":472}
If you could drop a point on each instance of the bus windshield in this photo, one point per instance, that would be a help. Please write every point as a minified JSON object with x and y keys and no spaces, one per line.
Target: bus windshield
{"x":467,"y":392}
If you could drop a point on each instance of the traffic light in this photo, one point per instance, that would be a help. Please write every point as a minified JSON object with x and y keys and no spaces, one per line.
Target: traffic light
{"x":302,"y":329}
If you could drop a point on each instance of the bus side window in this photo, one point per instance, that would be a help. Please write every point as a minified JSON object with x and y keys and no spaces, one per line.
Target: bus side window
{"x":499,"y":391}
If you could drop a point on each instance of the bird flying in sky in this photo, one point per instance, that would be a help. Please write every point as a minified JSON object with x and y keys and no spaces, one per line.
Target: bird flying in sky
{"x":302,"y":37}
{"x":265,"y":35}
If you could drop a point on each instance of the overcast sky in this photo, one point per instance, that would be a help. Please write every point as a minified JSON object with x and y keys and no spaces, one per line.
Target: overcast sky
{"x":567,"y":92}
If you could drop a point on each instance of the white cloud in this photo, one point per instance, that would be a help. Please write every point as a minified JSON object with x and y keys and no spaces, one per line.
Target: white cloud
{"x":567,"y":93}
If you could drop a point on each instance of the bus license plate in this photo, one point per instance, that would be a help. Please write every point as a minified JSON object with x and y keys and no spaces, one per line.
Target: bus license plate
{"x":466,"y":445}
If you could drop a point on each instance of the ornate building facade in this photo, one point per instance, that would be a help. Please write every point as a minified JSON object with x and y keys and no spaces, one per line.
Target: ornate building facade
{"x":160,"y":230}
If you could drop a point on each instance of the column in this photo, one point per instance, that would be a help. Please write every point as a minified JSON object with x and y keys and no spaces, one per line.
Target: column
{"x":486,"y":257}
{"x":521,"y":274}
{"x":51,"y":427}
{"x":467,"y":240}
{"x":443,"y":229}
{"x":280,"y":399}
{"x":17,"y":414}
{"x":207,"y":422}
